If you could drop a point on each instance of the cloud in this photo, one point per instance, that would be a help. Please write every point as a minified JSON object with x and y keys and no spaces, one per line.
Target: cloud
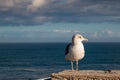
{"x":66,"y":31}
{"x":35,"y":34}
{"x":95,"y":35}
{"x":17,"y":12}
{"x":36,"y":4}
{"x":107,"y":33}
{"x":6,"y":5}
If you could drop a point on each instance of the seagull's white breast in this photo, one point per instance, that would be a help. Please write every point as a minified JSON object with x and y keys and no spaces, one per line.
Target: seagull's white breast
{"x":76,"y":52}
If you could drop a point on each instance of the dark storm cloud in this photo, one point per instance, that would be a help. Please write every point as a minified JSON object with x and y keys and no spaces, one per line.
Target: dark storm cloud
{"x":35,"y":12}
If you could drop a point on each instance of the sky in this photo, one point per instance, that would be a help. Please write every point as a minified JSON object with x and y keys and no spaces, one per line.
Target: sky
{"x":59,"y":20}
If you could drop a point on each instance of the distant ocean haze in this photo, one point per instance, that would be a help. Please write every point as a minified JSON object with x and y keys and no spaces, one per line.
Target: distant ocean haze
{"x":36,"y":60}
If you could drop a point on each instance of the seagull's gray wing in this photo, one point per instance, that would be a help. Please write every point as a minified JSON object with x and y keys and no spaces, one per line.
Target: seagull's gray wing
{"x":67,"y":49}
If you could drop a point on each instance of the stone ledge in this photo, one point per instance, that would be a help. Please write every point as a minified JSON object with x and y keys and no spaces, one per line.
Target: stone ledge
{"x":87,"y":75}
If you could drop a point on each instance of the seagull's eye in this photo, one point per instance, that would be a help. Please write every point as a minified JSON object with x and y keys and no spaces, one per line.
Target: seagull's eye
{"x":80,"y":37}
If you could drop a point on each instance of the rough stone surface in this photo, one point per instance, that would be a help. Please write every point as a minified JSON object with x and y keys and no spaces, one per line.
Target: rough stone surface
{"x":87,"y":75}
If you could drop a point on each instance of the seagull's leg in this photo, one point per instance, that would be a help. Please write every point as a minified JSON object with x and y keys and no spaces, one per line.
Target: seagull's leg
{"x":77,"y":65}
{"x":72,"y":65}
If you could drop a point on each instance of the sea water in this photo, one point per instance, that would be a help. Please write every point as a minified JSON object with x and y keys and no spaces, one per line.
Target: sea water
{"x":27,"y":61}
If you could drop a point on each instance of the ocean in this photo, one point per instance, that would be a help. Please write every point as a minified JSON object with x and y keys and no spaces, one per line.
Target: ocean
{"x":27,"y":61}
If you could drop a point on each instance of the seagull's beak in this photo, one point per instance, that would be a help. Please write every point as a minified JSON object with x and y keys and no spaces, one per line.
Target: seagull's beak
{"x":85,"y":39}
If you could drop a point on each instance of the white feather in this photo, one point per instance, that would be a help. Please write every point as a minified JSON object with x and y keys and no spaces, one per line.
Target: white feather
{"x":76,"y":52}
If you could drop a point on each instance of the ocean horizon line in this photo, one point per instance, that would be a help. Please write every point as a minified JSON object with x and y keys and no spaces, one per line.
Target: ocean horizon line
{"x":48,"y":42}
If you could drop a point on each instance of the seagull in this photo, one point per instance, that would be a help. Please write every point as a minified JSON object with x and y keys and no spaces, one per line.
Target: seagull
{"x":75,"y":50}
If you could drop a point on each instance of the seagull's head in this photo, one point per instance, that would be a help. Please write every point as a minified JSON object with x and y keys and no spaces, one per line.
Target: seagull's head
{"x":78,"y":38}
